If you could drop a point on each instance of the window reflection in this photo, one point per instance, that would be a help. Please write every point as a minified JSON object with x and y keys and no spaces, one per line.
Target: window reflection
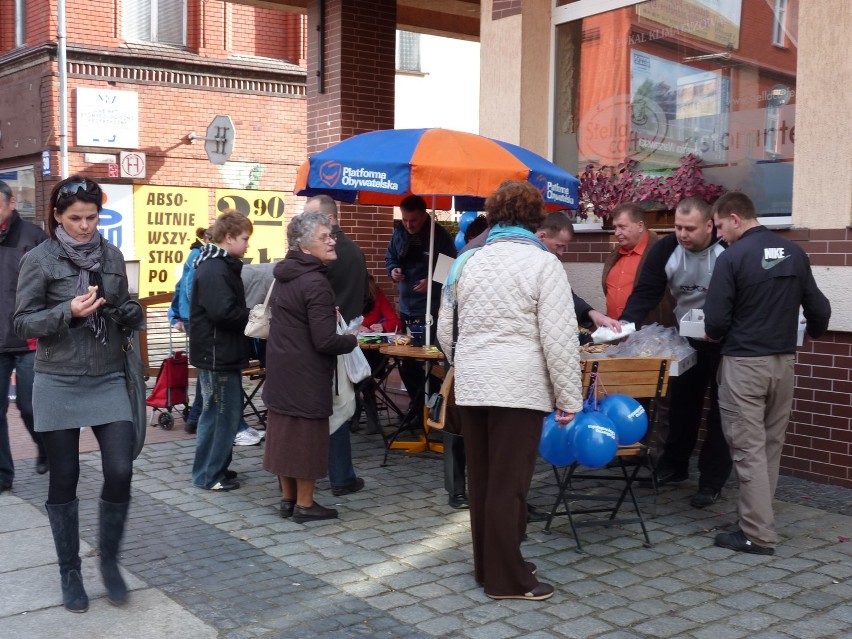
{"x":666,"y":78}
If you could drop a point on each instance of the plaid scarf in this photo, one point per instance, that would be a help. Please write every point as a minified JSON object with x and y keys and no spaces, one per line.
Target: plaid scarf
{"x":87,"y":257}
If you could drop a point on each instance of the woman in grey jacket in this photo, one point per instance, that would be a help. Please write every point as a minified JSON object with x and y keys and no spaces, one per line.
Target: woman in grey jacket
{"x":73,"y":297}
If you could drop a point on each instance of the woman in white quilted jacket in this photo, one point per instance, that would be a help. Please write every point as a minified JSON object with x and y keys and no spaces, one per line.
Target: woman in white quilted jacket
{"x":516,"y":358}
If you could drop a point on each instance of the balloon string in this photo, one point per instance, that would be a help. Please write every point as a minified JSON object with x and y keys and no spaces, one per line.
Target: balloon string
{"x":592,"y":398}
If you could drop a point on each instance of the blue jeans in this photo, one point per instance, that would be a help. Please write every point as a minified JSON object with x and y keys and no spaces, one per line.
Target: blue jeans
{"x":22,"y":363}
{"x":222,"y":392}
{"x":340,"y":470}
{"x":198,"y":404}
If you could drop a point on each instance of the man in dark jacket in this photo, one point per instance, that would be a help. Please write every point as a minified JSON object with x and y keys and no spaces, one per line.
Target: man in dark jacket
{"x":752,"y":306}
{"x":407,"y":263}
{"x":218,"y":347}
{"x":682,"y":263}
{"x":348,"y":278}
{"x":17,"y":236}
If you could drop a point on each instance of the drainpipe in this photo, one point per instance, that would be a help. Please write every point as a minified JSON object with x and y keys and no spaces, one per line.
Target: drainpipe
{"x":63,"y":89}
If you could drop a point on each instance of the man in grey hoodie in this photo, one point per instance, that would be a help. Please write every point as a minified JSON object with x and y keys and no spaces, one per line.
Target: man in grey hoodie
{"x":683,"y":263}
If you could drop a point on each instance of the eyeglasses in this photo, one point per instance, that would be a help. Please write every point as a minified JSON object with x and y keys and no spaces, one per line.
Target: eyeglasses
{"x":325,"y":238}
{"x":72,"y":188}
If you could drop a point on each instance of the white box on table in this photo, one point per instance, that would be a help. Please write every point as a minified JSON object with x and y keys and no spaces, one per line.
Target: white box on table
{"x":692,"y":324}
{"x":680,"y":366}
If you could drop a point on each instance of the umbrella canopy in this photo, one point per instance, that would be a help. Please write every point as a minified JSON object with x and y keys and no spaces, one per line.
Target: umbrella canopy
{"x":383,"y":167}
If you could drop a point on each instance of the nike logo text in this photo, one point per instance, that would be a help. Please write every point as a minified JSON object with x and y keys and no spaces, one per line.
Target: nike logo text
{"x":772,"y":257}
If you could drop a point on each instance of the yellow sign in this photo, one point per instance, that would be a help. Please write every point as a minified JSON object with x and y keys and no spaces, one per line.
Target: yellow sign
{"x":265,"y":209}
{"x":165,"y":221}
{"x":713,"y":20}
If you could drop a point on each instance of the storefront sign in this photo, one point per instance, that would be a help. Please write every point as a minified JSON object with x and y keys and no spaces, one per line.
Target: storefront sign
{"x":165,"y":221}
{"x":265,"y":209}
{"x":712,"y":20}
{"x":107,"y":118}
{"x":116,"y":219}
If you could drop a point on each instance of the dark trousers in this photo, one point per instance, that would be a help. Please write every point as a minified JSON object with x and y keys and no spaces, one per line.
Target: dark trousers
{"x":455,"y":462}
{"x":21,"y":362}
{"x":413,"y":374}
{"x":501,"y":448}
{"x":686,"y":406}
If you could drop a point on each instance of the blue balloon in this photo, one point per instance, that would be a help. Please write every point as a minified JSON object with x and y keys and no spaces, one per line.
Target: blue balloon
{"x":595,"y":441}
{"x":629,"y":417}
{"x":556,"y":446}
{"x":465,"y":219}
{"x":459,"y":241}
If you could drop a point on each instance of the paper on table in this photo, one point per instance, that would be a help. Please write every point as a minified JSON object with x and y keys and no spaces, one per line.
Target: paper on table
{"x":442,"y":268}
{"x":605,"y":334}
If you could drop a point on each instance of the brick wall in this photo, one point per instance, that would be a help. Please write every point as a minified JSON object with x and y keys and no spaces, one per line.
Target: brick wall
{"x":505,"y":8}
{"x":359,"y":77}
{"x":819,"y":439}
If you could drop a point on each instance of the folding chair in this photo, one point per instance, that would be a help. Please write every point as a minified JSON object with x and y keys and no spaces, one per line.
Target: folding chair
{"x":637,"y":377}
{"x":257,"y":373}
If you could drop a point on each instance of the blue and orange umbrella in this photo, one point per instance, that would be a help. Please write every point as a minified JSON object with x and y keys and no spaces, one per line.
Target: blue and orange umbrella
{"x":382,"y":167}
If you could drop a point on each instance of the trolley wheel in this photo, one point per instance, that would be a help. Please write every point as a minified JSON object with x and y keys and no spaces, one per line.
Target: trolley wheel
{"x":165,"y":421}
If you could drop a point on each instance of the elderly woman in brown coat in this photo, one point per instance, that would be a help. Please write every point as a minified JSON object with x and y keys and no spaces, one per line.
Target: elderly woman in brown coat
{"x":301,"y":356}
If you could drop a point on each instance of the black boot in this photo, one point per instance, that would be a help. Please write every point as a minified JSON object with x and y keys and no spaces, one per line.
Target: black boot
{"x":112,"y":520}
{"x":64,"y":523}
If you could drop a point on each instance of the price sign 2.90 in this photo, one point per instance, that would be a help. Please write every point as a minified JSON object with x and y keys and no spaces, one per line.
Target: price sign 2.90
{"x":263,"y":209}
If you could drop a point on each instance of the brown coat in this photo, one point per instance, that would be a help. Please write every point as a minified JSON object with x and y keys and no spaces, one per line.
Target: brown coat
{"x":303,"y":345}
{"x":664,"y":313}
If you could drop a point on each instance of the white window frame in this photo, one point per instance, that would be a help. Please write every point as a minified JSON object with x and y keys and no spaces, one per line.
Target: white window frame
{"x":20,"y":23}
{"x":779,"y":23}
{"x":154,"y":35}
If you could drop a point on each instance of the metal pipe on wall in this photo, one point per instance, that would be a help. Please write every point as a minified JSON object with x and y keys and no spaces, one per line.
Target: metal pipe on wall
{"x":63,"y":89}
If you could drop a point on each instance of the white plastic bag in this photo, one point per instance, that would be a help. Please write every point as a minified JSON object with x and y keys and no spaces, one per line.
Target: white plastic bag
{"x":357,"y":367}
{"x":343,"y":397}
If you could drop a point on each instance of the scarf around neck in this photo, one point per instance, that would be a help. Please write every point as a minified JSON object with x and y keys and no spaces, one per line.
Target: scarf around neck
{"x":498,"y":233}
{"x":87,"y":256}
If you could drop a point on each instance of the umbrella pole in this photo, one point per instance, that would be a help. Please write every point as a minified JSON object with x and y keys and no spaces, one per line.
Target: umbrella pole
{"x":429,"y":319}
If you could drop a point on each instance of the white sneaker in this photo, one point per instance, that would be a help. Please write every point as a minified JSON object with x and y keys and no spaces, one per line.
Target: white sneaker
{"x":248,"y":437}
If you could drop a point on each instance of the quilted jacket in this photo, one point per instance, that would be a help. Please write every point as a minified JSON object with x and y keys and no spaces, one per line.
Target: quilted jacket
{"x":517,"y":344}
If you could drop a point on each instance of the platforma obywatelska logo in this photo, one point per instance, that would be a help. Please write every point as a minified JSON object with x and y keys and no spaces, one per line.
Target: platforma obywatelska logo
{"x":330,"y":172}
{"x":540,"y":182}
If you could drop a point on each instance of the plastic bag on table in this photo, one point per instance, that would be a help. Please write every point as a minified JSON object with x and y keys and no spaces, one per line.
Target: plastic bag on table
{"x":653,"y":340}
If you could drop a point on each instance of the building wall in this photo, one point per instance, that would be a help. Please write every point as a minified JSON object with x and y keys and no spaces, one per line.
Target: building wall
{"x":180,"y":90}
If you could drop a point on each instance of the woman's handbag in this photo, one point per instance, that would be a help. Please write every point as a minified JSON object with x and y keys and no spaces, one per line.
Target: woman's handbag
{"x":258,"y":321}
{"x":439,"y":402}
{"x":357,"y":367}
{"x":134,"y":375}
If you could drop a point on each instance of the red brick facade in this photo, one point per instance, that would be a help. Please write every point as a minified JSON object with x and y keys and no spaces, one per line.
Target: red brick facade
{"x":356,"y":95}
{"x":505,"y":8}
{"x":239,"y":60}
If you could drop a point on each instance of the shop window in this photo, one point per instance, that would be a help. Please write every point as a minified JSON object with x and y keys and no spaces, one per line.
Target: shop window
{"x":20,"y":23}
{"x":22,"y":182}
{"x":662,"y":79}
{"x":408,"y":51}
{"x":161,"y":21}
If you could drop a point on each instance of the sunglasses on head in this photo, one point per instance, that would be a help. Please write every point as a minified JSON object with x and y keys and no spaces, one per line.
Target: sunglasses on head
{"x":72,"y":188}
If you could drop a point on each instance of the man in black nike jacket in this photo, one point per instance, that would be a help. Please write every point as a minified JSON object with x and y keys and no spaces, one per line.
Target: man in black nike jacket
{"x":752,"y":307}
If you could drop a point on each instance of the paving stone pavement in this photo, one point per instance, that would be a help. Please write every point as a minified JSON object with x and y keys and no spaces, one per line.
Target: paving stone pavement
{"x":398,"y":562}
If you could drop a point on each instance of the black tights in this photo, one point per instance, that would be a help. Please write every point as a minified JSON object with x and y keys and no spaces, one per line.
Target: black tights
{"x":63,"y":453}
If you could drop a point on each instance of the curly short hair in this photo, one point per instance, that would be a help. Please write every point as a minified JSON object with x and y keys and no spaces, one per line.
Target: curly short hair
{"x":232,"y":223}
{"x":302,"y":227}
{"x":515,"y":203}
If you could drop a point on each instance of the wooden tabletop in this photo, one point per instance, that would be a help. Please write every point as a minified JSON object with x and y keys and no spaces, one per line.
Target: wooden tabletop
{"x":412,"y":352}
